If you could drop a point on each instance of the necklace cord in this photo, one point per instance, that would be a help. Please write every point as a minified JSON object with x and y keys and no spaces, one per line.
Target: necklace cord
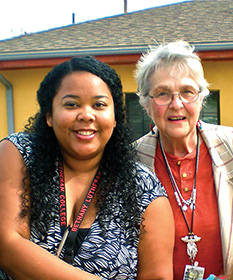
{"x":176,"y":189}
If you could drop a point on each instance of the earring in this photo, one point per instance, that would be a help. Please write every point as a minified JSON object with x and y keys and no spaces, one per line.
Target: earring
{"x":151,"y":129}
{"x":199,"y":124}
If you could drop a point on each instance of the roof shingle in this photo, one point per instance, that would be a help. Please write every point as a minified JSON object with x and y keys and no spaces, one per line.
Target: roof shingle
{"x":198,"y":21}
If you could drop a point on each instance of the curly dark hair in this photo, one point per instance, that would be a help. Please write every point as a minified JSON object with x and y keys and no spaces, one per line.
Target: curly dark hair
{"x":118,"y":181}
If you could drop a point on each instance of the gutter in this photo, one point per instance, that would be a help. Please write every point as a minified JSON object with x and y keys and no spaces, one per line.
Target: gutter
{"x":9,"y":102}
{"x":105,"y":51}
{"x":71,"y":53}
{"x":212,"y":46}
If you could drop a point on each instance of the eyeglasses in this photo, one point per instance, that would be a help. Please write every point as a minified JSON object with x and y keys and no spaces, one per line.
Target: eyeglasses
{"x":165,"y":98}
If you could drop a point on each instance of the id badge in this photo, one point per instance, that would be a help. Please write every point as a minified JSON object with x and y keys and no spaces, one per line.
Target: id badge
{"x":193,"y":272}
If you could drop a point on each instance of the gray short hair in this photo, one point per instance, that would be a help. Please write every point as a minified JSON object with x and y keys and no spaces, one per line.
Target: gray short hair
{"x":179,"y":54}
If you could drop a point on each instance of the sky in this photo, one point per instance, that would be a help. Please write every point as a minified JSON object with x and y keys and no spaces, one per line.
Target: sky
{"x":18,"y":17}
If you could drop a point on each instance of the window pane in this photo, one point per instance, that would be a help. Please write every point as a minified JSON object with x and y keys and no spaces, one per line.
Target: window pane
{"x":210,"y":112}
{"x":136,"y":116}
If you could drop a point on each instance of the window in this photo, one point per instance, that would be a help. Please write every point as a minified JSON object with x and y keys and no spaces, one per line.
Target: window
{"x":140,"y":122}
{"x":137,"y":117}
{"x":210,"y":112}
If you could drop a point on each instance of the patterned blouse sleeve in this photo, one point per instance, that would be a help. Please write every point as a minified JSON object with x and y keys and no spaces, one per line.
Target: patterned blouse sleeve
{"x":23,"y":143}
{"x":149,"y":185}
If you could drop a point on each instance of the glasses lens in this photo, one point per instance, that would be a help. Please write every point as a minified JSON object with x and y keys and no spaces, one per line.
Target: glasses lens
{"x":163,"y":98}
{"x":189,"y":95}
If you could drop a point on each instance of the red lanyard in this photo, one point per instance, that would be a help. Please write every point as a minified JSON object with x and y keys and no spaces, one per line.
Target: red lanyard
{"x":70,"y":233}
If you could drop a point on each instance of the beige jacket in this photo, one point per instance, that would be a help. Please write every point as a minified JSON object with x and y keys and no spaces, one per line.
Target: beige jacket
{"x":219,"y":140}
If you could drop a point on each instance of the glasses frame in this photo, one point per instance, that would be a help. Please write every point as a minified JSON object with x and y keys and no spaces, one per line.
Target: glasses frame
{"x":180,"y":97}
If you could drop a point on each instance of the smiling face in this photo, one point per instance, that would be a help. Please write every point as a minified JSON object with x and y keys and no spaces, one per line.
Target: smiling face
{"x":83,"y":117}
{"x":177,"y":120}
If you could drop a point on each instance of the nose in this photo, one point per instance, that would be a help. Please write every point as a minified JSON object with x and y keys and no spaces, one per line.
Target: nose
{"x":86,"y":114}
{"x":176,"y":102}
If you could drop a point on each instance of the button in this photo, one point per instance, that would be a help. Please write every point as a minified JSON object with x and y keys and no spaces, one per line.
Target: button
{"x":184,"y":175}
{"x":178,"y":162}
{"x":186,"y":189}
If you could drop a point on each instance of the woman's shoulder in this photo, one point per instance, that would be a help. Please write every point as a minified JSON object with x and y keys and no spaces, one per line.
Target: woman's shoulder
{"x":22,"y":141}
{"x":147,"y":138}
{"x":216,"y":128}
{"x":148,"y":182}
{"x":18,"y":137}
{"x":213,"y":132}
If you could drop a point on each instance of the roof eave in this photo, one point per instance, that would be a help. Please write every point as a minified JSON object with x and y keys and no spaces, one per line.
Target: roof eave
{"x":111,"y":55}
{"x":72,"y":53}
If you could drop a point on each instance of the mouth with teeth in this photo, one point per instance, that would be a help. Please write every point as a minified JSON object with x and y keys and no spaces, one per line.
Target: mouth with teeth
{"x":176,"y":118}
{"x":85,"y":132}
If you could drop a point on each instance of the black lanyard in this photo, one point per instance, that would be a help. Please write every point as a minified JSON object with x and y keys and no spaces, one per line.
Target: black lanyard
{"x":70,"y":233}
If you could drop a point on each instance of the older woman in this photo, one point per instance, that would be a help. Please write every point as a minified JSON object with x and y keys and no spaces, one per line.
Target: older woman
{"x":192,"y":159}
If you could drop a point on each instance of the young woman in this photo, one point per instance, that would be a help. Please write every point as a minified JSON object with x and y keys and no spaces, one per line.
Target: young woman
{"x":73,"y":200}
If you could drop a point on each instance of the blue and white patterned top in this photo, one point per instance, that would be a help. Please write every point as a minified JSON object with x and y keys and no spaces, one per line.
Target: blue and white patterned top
{"x":110,"y":256}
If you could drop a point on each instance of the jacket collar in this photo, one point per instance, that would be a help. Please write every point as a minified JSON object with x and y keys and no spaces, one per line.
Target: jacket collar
{"x":219,"y":144}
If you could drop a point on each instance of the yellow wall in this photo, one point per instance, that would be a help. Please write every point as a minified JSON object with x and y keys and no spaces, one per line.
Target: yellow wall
{"x":3,"y":111}
{"x":26,"y":82}
{"x":220,"y":76}
{"x":125,"y":73}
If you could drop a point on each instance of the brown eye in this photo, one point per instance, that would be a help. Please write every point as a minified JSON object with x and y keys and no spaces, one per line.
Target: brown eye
{"x":71,"y":104}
